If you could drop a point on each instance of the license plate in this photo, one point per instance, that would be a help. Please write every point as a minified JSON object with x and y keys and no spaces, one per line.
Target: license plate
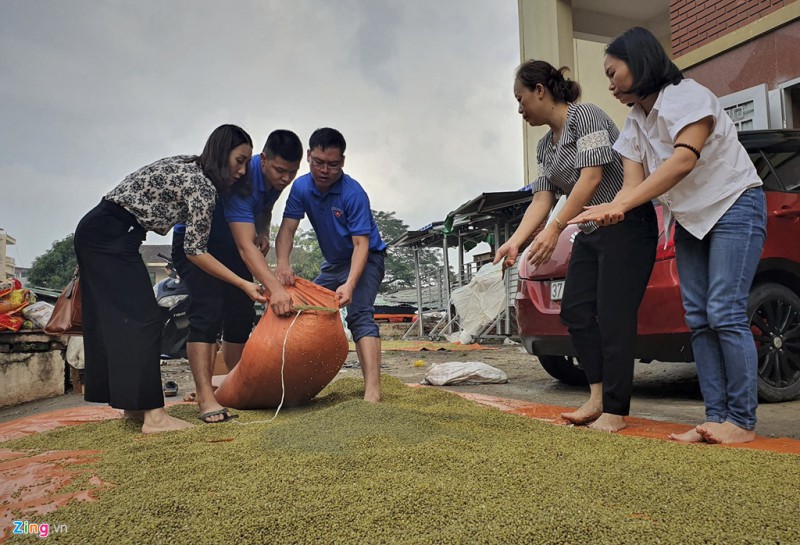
{"x":556,"y":290}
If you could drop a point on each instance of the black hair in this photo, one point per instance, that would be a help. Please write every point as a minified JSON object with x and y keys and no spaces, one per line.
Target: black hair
{"x":284,"y":144}
{"x":327,"y":138}
{"x":650,"y":66}
{"x":216,"y":153}
{"x":532,"y":73}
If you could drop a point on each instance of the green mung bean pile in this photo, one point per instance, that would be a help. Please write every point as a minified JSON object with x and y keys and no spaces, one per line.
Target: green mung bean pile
{"x":424,"y":466}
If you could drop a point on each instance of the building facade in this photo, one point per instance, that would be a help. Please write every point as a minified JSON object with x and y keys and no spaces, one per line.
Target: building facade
{"x":7,"y":263}
{"x":743,"y":50}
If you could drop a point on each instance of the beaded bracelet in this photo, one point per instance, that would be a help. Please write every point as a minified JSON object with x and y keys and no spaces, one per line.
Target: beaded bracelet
{"x":690,"y":148}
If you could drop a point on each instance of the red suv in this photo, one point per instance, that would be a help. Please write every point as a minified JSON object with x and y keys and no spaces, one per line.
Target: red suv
{"x":774,"y":307}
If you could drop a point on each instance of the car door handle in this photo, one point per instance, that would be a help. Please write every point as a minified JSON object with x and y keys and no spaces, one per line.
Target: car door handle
{"x":786,"y":213}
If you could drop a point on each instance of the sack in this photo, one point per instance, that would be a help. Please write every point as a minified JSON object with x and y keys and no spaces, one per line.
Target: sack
{"x":464,"y":372}
{"x":66,"y":318}
{"x":39,"y":313}
{"x":315,"y":350}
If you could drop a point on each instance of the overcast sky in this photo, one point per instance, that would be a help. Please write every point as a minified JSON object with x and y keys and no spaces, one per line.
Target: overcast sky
{"x":91,"y":90}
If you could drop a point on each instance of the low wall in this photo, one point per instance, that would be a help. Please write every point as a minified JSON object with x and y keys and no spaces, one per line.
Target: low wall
{"x":32,"y":366}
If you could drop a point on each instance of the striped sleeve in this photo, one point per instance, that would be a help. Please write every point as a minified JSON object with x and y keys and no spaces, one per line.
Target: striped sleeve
{"x":542,"y":181}
{"x":595,"y":134}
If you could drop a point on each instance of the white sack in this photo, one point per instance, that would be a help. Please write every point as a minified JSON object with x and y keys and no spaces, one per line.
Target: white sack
{"x":482,"y":300}
{"x":464,"y":372}
{"x":75,"y":351}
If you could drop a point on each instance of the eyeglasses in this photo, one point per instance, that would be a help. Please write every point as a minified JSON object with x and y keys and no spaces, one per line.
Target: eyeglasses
{"x":323,"y":165}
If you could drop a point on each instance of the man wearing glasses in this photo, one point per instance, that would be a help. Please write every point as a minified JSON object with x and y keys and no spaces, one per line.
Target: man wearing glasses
{"x":339,"y":211}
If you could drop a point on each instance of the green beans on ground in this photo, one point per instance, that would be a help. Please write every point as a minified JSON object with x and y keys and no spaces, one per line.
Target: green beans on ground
{"x":424,"y":466}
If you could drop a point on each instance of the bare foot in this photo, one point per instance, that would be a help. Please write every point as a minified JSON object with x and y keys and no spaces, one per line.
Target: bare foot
{"x":190,"y":397}
{"x":133,"y":415}
{"x":690,"y":436}
{"x":589,"y":412}
{"x":157,"y":420}
{"x":372,"y":397}
{"x":611,"y":423}
{"x":725,"y":433}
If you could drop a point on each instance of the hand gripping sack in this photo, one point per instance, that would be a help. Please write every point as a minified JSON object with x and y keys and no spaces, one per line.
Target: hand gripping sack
{"x":316,"y":348}
{"x":66,"y":318}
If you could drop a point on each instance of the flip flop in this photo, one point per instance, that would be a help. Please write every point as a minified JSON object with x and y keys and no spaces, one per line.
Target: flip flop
{"x":225,"y":416}
{"x":170,"y":388}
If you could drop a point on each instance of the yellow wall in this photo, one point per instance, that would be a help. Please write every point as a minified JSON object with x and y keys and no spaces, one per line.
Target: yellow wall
{"x":594,"y":84}
{"x":546,"y":33}
{"x":545,"y":30}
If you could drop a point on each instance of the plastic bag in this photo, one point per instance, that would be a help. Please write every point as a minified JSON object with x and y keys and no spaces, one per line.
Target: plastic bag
{"x":16,"y":300}
{"x":9,"y":284}
{"x":464,"y":372}
{"x":38,"y":313}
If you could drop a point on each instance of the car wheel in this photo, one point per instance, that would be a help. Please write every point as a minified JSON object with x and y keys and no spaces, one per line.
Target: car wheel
{"x":564,"y":368}
{"x":774,"y":312}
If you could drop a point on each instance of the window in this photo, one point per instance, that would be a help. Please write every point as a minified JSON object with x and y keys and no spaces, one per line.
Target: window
{"x":765,"y":172}
{"x":789,"y":103}
{"x":742,"y":115}
{"x":787,"y":166}
{"x":747,"y":108}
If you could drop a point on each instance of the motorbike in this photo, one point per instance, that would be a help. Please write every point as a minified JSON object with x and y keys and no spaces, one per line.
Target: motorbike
{"x":172,"y":297}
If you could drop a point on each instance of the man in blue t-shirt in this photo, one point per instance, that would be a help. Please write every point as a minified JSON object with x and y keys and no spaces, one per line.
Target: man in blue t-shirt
{"x":249,"y":214}
{"x":240,"y":240}
{"x":339,"y":211}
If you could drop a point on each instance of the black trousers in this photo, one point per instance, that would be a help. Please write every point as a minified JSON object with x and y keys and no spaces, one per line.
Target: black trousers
{"x":606,"y":279}
{"x":121,"y":320}
{"x":215,"y":305}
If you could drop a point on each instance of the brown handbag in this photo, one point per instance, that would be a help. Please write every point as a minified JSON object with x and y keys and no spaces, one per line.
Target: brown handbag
{"x":66,"y":318}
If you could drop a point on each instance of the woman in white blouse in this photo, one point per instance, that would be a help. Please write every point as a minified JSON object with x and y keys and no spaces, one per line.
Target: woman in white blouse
{"x":121,"y":320}
{"x":679,"y":145}
{"x":609,"y":268}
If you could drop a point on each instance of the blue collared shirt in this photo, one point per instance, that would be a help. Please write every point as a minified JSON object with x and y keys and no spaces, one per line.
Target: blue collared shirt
{"x":337,"y":216}
{"x":262,"y":197}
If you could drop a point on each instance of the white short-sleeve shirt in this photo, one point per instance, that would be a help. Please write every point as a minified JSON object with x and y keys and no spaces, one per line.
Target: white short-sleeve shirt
{"x":723,"y":171}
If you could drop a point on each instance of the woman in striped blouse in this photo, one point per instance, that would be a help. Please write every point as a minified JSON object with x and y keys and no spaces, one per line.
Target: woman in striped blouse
{"x":608,"y":270}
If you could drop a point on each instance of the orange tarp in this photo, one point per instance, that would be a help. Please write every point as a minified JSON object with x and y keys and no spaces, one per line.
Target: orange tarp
{"x":637,"y":427}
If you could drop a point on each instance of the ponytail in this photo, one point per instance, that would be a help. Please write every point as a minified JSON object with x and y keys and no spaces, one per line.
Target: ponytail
{"x":532,"y":73}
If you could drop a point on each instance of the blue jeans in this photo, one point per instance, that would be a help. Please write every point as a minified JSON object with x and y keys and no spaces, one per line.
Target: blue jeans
{"x":715,"y":276}
{"x":361,"y":310}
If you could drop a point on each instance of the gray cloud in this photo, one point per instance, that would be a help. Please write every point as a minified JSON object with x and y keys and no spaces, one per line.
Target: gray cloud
{"x":93,"y":90}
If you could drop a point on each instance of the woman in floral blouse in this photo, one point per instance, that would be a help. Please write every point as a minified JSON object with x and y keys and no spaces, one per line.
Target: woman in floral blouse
{"x":608,"y":271}
{"x":121,"y":321}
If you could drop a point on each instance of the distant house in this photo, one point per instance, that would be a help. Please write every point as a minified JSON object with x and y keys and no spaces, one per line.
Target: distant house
{"x":156,"y":265}
{"x":22,"y":274}
{"x":6,"y":262}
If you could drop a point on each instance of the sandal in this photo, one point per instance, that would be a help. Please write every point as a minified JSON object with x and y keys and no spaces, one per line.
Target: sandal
{"x":205,"y":417}
{"x":170,"y":388}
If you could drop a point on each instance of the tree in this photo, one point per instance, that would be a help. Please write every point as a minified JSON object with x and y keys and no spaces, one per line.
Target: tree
{"x":400,"y":261}
{"x":54,"y":268}
{"x":307,"y":257}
